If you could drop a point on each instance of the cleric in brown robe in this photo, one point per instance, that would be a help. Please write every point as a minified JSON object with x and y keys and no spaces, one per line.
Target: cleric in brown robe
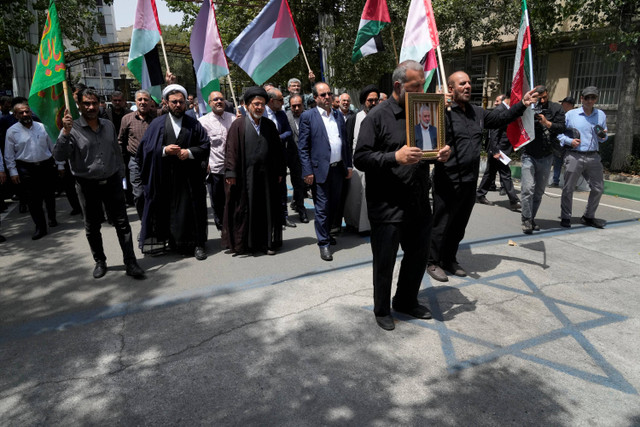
{"x":173,"y":156}
{"x":254,"y":165}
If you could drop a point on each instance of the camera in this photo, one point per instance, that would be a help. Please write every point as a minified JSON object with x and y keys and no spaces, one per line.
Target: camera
{"x":599,"y":130}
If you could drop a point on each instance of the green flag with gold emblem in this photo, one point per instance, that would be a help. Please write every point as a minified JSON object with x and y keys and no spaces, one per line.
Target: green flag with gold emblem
{"x":46,"y":97}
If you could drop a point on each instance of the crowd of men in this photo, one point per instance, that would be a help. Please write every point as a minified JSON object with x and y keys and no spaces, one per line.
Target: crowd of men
{"x":162,"y":159}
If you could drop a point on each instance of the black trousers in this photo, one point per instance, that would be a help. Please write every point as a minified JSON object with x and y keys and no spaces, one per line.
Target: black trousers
{"x":38,"y":184}
{"x":413,"y":237}
{"x":93,"y":194}
{"x":215,"y":183}
{"x":69,"y":184}
{"x":295,"y":175}
{"x":452,"y":207}
{"x":496,"y":166}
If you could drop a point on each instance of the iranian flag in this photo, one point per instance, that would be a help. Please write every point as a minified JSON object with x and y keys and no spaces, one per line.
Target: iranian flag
{"x":521,"y":131}
{"x":421,"y":38}
{"x":209,"y":61}
{"x":144,"y":61}
{"x":46,"y":97}
{"x":268,"y":43}
{"x":375,"y":17}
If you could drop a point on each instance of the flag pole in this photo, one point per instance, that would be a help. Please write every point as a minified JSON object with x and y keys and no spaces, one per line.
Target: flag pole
{"x":441,"y":64}
{"x":393,"y":42}
{"x":164,"y":53}
{"x":233,"y":95}
{"x":65,"y":90}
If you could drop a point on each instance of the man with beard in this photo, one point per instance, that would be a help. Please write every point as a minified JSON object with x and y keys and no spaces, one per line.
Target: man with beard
{"x":355,"y":206}
{"x":132,"y":129}
{"x":426,"y":133}
{"x":454,"y":182}
{"x":90,"y":144}
{"x":537,"y":157}
{"x":254,"y":168}
{"x":294,"y":87}
{"x":173,"y":156}
{"x":397,"y":199}
{"x":28,"y":153}
{"x":217,"y":124}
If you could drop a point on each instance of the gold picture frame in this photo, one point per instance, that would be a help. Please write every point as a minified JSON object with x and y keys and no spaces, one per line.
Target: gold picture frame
{"x":416,"y":105}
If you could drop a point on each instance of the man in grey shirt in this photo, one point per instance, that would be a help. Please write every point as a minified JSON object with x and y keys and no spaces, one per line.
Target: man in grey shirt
{"x":91,"y":146}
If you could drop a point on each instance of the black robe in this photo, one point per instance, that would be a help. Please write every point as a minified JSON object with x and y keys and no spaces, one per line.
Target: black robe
{"x":253,"y":210}
{"x":175,"y":209}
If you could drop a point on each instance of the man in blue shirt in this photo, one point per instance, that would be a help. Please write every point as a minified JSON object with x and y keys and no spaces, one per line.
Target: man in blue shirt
{"x":586,"y":129}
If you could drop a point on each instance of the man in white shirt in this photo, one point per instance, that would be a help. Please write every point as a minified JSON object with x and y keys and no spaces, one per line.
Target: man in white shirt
{"x":217,"y":124}
{"x":29,"y":158}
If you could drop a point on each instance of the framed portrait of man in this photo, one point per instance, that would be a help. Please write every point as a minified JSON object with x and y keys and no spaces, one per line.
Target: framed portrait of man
{"x":425,"y":123}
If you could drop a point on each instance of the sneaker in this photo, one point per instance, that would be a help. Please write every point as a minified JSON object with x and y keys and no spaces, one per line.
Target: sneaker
{"x":593,"y":222}
{"x":527,"y":227}
{"x":484,"y":201}
{"x":565,"y":222}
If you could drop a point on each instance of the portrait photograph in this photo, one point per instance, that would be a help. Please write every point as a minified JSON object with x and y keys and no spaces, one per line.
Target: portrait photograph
{"x":425,"y":122}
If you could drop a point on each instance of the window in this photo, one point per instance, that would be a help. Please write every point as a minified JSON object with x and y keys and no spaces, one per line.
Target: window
{"x":591,"y":68}
{"x":102,"y":25}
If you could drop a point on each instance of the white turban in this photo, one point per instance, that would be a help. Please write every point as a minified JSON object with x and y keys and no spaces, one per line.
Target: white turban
{"x":172,"y":88}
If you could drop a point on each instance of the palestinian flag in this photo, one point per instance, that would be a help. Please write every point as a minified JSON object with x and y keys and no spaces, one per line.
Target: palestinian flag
{"x":144,"y":61}
{"x":521,"y":131}
{"x":268,"y":43}
{"x":421,"y":39}
{"x":375,"y":17}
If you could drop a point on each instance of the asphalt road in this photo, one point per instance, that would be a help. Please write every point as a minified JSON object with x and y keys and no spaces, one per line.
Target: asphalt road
{"x":542,"y":332}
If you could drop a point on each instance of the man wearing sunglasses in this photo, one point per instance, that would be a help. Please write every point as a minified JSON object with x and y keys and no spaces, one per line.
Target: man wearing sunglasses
{"x":586,"y":129}
{"x":326,"y":160}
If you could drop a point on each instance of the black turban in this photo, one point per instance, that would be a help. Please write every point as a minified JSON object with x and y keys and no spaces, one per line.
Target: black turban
{"x":254,"y":91}
{"x":366,"y":91}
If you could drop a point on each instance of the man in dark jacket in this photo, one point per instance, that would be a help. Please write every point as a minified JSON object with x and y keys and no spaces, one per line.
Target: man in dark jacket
{"x":538,"y":156}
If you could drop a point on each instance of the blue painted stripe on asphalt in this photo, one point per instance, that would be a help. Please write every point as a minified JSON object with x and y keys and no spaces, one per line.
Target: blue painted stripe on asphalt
{"x":84,"y":317}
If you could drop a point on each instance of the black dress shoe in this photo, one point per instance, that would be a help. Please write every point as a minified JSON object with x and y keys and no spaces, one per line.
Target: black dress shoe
{"x":386,"y":322}
{"x":455,"y":269}
{"x":325,"y":253}
{"x":437,"y":273}
{"x":288,"y":223}
{"x":134,"y":270}
{"x":484,"y":201}
{"x":199,"y":253}
{"x":53,"y":223}
{"x":2,"y":238}
{"x":100,"y":270}
{"x":565,"y":222}
{"x":303,"y":216}
{"x":39,"y":234}
{"x":593,"y":222}
{"x":332,"y":241}
{"x":419,"y":311}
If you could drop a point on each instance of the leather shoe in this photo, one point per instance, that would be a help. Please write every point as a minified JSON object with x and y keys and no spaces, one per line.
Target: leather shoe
{"x":325,"y":253}
{"x":565,"y":222}
{"x":200,"y":254}
{"x":455,"y":269}
{"x":593,"y":222}
{"x":332,"y":241}
{"x":133,"y":269}
{"x":386,"y":322}
{"x":419,"y":311}
{"x":53,"y":223}
{"x":437,"y":273}
{"x":484,"y":201}
{"x":39,"y":234}
{"x":527,"y":227}
{"x":515,"y":206}
{"x":288,"y":223}
{"x":302,"y":213}
{"x":100,"y":270}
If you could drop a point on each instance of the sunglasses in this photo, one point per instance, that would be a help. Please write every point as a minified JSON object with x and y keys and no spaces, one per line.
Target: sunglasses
{"x":590,"y":97}
{"x":324,"y":95}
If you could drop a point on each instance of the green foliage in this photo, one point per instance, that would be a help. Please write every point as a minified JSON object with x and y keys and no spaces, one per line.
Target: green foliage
{"x":632,"y":165}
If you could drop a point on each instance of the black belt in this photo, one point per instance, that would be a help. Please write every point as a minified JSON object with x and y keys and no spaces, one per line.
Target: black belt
{"x":584,"y":152}
{"x":44,"y":162}
{"x":334,"y":164}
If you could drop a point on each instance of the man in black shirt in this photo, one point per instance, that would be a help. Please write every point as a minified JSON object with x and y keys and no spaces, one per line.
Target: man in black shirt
{"x":454,"y":182}
{"x":537,"y":157}
{"x":397,"y":188}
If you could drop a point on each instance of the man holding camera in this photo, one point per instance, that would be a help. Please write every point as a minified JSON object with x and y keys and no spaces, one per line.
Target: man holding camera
{"x":537,"y":157}
{"x":588,"y":128}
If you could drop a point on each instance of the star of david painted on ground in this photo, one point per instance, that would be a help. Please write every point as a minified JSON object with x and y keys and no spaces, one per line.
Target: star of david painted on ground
{"x":611,"y":377}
